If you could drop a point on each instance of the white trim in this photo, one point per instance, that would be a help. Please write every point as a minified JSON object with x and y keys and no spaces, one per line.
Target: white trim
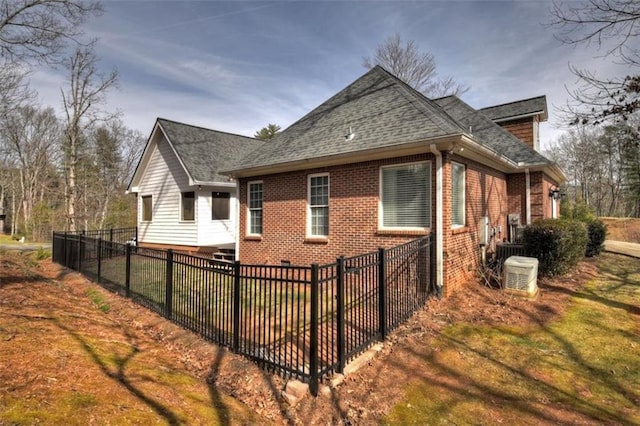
{"x":195,"y":205}
{"x":249,"y":183}
{"x":554,"y":210}
{"x":237,"y":223}
{"x":439,"y":220}
{"x":309,"y":227}
{"x":381,"y":226}
{"x":142,"y":219}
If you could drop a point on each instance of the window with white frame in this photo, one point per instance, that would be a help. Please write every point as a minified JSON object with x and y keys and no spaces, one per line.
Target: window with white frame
{"x":405,"y":196}
{"x":147,"y":203}
{"x":188,"y":206}
{"x":457,"y":195}
{"x":220,"y":205}
{"x":318,"y":202}
{"x":254,"y":195}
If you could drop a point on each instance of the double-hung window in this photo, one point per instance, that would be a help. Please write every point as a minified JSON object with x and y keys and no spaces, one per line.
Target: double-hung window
{"x":188,"y":206}
{"x":318,"y":202}
{"x":147,"y":204}
{"x":254,"y":200}
{"x":405,"y":196}
{"x":458,"y":195}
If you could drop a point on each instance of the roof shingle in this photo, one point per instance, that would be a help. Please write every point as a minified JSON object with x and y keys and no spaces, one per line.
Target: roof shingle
{"x":204,"y":152}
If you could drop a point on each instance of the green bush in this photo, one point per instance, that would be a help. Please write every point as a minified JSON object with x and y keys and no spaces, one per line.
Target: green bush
{"x":597,"y":231}
{"x":557,"y":244}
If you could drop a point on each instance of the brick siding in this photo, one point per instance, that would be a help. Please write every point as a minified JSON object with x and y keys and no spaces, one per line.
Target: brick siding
{"x":522,"y":129}
{"x":353,"y":213}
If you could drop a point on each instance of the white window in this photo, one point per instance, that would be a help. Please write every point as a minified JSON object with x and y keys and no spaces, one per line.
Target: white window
{"x":188,"y":206}
{"x":405,"y":196}
{"x":318,"y":202}
{"x":220,"y":205}
{"x":457,"y":195}
{"x":147,"y":204}
{"x":254,"y":201}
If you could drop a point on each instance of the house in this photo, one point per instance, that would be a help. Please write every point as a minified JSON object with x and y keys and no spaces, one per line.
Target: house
{"x":183,"y":200}
{"x":379,"y":164}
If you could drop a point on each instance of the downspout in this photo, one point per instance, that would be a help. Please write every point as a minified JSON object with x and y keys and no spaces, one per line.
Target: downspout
{"x":439,"y":222}
{"x":237,"y":221}
{"x":527,"y":180}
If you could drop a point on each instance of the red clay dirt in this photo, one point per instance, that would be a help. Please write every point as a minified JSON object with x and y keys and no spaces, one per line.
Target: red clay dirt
{"x":45,"y":293}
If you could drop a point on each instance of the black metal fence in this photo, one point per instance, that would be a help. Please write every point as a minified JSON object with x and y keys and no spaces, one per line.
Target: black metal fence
{"x":299,"y":321}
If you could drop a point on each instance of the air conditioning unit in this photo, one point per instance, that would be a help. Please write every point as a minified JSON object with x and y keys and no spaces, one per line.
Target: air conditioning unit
{"x":521,"y":276}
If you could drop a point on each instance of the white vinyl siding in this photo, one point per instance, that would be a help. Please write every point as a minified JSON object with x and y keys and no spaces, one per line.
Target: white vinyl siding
{"x":458,"y":195}
{"x":254,"y":202}
{"x":165,"y":180}
{"x":405,"y":196}
{"x":318,"y":205}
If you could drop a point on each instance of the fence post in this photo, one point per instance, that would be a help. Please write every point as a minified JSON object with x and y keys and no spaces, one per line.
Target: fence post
{"x":236,"y":306}
{"x":80,"y":251}
{"x":66,"y":249}
{"x":341,"y":312}
{"x":99,"y":258}
{"x":127,"y":273}
{"x":382,"y":294}
{"x":110,"y":234}
{"x":313,"y":343}
{"x":168,"y":295}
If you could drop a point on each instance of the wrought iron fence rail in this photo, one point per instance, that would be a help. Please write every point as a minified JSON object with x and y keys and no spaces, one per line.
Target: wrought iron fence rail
{"x":298,"y":321}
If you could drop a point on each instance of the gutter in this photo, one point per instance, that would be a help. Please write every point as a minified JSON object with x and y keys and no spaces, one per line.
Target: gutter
{"x":439,"y":222}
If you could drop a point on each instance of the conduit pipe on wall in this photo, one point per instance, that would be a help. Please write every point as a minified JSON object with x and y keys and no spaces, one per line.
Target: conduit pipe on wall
{"x":439,"y":220}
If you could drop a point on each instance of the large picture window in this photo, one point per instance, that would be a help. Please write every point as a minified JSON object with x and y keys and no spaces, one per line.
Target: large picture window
{"x":146,"y":207}
{"x":188,"y":206}
{"x":318,"y":202}
{"x":406,"y":196}
{"x":255,"y":207}
{"x":457,"y":195}
{"x":220,"y":205}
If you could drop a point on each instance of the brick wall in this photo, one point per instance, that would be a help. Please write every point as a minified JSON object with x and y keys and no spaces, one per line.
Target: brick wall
{"x":486,"y":195}
{"x":353,"y":215}
{"x":353,"y":212}
{"x":522,"y":129}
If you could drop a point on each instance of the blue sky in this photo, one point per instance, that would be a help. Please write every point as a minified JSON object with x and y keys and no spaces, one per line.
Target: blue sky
{"x":237,"y":66}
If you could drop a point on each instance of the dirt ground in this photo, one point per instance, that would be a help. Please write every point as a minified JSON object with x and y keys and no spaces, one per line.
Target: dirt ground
{"x":622,"y":229}
{"x":42,"y":305}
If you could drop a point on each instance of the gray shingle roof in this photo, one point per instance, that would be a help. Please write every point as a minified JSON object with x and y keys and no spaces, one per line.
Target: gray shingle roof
{"x":381,"y":111}
{"x":537,"y":105}
{"x":206,"y":152}
{"x":489,"y":134}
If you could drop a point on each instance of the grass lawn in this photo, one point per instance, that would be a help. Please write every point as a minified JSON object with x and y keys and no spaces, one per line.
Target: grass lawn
{"x":583,"y":367}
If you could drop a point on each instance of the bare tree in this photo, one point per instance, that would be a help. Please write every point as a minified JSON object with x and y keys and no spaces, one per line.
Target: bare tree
{"x":30,"y":136}
{"x":416,"y":68}
{"x":38,"y":29}
{"x":86,"y":91}
{"x":116,"y":150}
{"x":614,"y":26}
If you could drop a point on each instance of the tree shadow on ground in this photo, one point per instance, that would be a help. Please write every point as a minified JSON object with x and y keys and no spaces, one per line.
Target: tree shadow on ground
{"x":120,"y":374}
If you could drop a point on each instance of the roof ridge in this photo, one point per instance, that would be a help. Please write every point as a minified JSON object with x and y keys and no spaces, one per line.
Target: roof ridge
{"x":205,"y":128}
{"x":423,"y":99}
